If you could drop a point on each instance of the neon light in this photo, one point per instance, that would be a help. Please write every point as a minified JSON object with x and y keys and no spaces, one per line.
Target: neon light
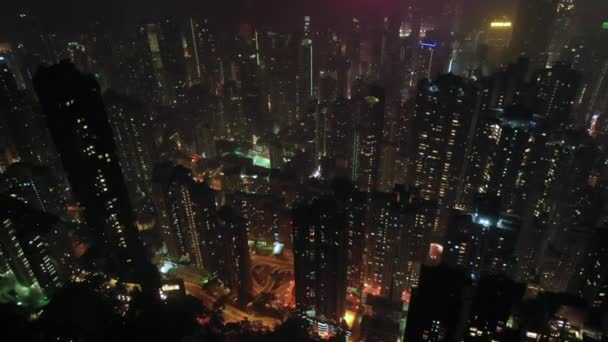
{"x":170,"y":287}
{"x":593,"y":126}
{"x":428,"y":44}
{"x":500,"y":24}
{"x":278,"y":248}
{"x":484,"y":222}
{"x":198,"y":65}
{"x":255,"y":157}
{"x":435,"y":251}
{"x":349,"y":318}
{"x":257,"y":47}
{"x":605,"y":25}
{"x":372,"y":99}
{"x":316,"y":173}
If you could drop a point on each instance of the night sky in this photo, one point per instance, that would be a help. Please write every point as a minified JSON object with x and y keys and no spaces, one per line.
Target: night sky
{"x":70,"y":16}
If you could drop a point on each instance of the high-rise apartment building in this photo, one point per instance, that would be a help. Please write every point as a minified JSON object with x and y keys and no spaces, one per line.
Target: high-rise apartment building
{"x":130,"y":128}
{"x":367,"y":138}
{"x":443,"y":112}
{"x":320,"y":259}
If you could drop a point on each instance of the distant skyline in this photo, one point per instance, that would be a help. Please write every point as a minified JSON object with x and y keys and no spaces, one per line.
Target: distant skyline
{"x":244,"y":170}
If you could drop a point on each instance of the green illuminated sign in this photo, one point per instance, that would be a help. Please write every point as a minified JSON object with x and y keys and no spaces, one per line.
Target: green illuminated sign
{"x":605,"y":25}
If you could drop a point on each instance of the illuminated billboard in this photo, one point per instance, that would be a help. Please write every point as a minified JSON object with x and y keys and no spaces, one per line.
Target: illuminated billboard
{"x":428,"y":44}
{"x":435,"y":252}
{"x":500,"y":24}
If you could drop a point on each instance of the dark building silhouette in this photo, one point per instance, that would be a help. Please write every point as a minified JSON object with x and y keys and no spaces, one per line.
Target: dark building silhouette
{"x":495,"y":299}
{"x":235,"y":251}
{"x":22,"y":127}
{"x":562,"y":30}
{"x":482,"y":241}
{"x":591,"y":282}
{"x":172,"y":56}
{"x":439,"y":305}
{"x":80,"y":129}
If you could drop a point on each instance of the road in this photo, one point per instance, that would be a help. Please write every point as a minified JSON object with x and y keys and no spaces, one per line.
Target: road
{"x":261,"y":275}
{"x":230,"y":313}
{"x":280,"y":264}
{"x":282,"y":287}
{"x":190,"y":274}
{"x":196,"y":291}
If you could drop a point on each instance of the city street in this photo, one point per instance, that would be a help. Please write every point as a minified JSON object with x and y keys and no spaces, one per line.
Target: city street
{"x":229,"y":313}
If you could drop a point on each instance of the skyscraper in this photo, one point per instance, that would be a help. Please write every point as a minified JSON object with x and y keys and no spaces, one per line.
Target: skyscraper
{"x":141,"y":74}
{"x":276,"y":152}
{"x":563,"y":28}
{"x":555,"y":89}
{"x":161,"y":180}
{"x":82,"y":134}
{"x":235,"y":251}
{"x":130,"y":125}
{"x":307,"y":76}
{"x":14,"y":256}
{"x":564,"y":209}
{"x":320,"y":259}
{"x":427,"y":53}
{"x":172,"y":46}
{"x":444,"y":109}
{"x":383,"y":243}
{"x":353,"y":52}
{"x":201,"y":44}
{"x":555,"y":197}
{"x":531,"y":35}
{"x":500,"y":124}
{"x":23,"y":127}
{"x":389,"y":166}
{"x":150,"y":62}
{"x":591,"y":280}
{"x":186,"y":233}
{"x":38,"y":186}
{"x":499,"y":34}
{"x":356,"y":239}
{"x":512,"y":132}
{"x":396,"y":242}
{"x":24,"y":246}
{"x":483,"y":240}
{"x":367,"y":138}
